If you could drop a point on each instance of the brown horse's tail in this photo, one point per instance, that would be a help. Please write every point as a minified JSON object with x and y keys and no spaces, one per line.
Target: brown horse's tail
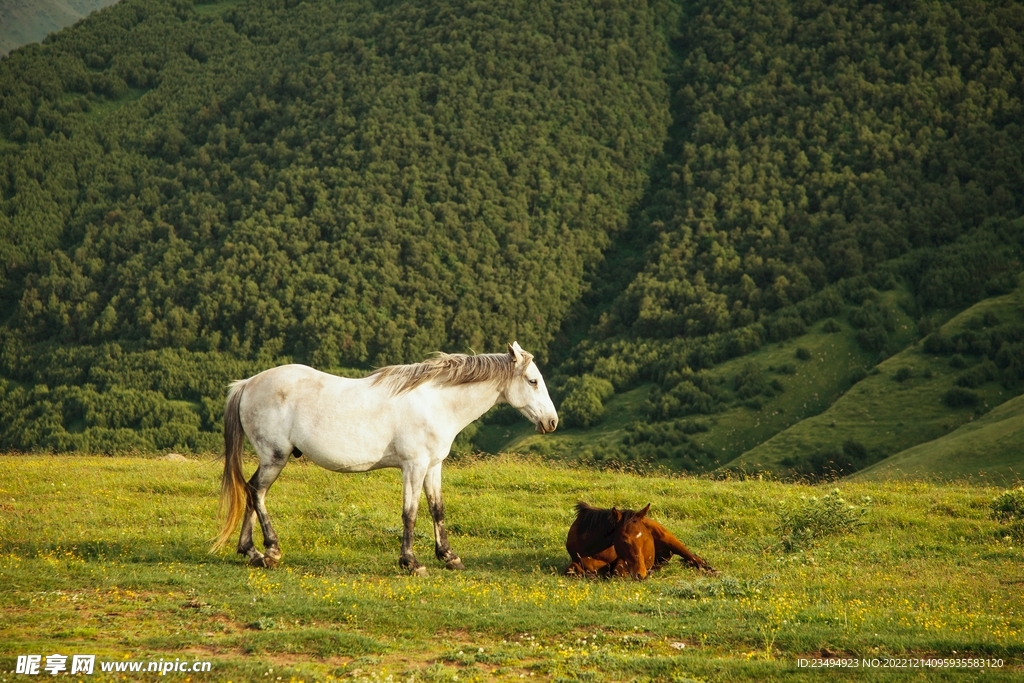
{"x":233,"y":492}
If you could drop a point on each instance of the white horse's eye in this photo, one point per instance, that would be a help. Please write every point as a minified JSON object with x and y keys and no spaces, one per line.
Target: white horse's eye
{"x":532,"y":382}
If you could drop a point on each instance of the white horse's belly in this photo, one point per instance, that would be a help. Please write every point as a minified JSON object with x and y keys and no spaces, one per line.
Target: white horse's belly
{"x":354,"y":443}
{"x":339,"y":460}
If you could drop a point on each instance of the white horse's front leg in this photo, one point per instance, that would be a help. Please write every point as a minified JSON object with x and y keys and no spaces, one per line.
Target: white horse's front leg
{"x":412,"y":486}
{"x":442,"y":549}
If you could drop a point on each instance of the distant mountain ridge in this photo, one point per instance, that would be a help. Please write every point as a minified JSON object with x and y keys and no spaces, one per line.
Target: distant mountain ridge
{"x":29,"y":21}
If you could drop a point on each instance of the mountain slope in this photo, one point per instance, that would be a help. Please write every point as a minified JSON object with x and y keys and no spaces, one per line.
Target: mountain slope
{"x":651,"y":197}
{"x":29,"y":21}
{"x":989,"y":448}
{"x":915,"y":397}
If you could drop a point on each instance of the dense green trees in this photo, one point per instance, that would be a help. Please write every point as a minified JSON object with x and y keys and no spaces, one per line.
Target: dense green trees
{"x":337,"y":182}
{"x":816,"y":141}
{"x":190,"y":192}
{"x":583,"y":405}
{"x":340,"y":183}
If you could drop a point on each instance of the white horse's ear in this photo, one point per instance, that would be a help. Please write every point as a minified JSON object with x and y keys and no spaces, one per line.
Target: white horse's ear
{"x":515,"y":351}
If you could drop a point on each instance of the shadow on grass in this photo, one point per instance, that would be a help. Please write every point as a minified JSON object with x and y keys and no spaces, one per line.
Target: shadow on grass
{"x":131,"y":551}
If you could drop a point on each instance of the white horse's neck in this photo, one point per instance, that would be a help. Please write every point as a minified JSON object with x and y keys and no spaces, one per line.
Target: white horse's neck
{"x":467,"y":402}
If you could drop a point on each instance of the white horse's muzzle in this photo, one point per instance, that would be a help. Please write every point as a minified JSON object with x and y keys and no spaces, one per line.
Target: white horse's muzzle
{"x":546,"y":426}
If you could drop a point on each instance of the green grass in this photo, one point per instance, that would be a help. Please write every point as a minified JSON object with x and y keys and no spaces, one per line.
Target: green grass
{"x":29,"y":21}
{"x":894,"y":409}
{"x":813,"y":385}
{"x":108,"y":556}
{"x":810,"y":387}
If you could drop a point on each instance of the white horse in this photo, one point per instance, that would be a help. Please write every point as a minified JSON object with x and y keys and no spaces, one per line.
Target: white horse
{"x":403,"y":416}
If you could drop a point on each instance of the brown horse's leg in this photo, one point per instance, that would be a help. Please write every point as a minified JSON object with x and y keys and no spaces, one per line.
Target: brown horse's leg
{"x":442,"y":548}
{"x":592,"y":565}
{"x":665,"y":545}
{"x":586,"y":566}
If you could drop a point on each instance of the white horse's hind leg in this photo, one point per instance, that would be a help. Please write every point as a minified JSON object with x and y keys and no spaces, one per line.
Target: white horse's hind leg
{"x":245,"y":543}
{"x":256,"y":508}
{"x":412,"y":486}
{"x":442,"y":549}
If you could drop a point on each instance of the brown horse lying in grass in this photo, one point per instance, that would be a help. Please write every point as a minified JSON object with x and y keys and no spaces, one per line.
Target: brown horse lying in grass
{"x":622,"y":543}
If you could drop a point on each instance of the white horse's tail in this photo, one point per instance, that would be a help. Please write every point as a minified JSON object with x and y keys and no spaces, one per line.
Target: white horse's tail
{"x":233,"y":491}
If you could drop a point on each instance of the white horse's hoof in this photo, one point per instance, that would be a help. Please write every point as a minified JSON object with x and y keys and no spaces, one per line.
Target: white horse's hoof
{"x":273,"y":557}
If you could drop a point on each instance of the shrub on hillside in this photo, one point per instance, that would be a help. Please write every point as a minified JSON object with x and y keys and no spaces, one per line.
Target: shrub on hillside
{"x":831,"y":327}
{"x":815,"y":518}
{"x":1009,"y":505}
{"x":872,"y":339}
{"x":1008,"y":509}
{"x":1010,"y":359}
{"x":463,"y":444}
{"x":693,"y":394}
{"x":833,"y":462}
{"x":749,"y":381}
{"x":976,"y":376}
{"x":786,"y":327}
{"x":671,"y":442}
{"x":502,"y":414}
{"x":938,"y":344}
{"x":990,"y":319}
{"x":959,"y":397}
{"x":583,"y":404}
{"x":871,"y":314}
{"x":857,"y":375}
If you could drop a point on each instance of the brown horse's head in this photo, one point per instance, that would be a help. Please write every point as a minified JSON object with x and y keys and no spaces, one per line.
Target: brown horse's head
{"x":634,"y":544}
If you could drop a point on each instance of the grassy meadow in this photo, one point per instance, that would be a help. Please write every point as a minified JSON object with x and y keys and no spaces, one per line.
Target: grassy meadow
{"x":108,"y":556}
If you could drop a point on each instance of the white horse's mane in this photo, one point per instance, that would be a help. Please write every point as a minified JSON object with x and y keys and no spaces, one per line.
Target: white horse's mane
{"x":449,"y":369}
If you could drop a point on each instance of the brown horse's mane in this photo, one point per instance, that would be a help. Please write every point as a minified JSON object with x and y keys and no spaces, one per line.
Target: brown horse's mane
{"x":590,"y":519}
{"x":449,"y":369}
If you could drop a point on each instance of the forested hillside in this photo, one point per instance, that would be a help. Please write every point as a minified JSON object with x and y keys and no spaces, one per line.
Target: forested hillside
{"x":835,"y":161}
{"x":334,"y":182}
{"x":637,"y":192}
